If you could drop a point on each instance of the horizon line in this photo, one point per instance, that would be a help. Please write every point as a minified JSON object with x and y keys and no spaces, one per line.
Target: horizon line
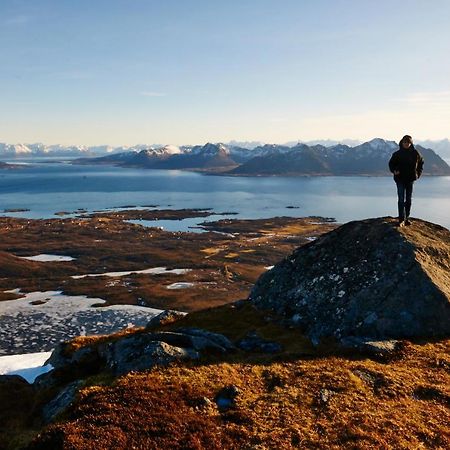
{"x":237,"y":141}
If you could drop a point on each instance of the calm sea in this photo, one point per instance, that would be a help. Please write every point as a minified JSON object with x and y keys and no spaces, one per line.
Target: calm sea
{"x":49,"y":186}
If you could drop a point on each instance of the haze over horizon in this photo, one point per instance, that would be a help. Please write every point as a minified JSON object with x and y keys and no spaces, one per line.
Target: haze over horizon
{"x":119,"y":73}
{"x":232,"y":143}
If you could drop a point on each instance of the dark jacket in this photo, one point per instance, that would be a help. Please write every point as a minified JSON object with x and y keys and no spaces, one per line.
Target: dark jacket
{"x":408,"y":162}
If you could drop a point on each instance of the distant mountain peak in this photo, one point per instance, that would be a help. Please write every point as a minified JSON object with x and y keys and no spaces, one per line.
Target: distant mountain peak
{"x":380,"y":143}
{"x":165,"y":150}
{"x":377,"y":141}
{"x":171,"y":149}
{"x":211,"y":149}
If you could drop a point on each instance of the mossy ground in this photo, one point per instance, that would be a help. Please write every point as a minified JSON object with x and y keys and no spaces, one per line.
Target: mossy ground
{"x":223,"y":267}
{"x":303,"y":397}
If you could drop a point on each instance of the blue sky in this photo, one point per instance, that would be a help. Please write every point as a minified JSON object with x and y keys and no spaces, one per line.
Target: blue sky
{"x":122,"y":72}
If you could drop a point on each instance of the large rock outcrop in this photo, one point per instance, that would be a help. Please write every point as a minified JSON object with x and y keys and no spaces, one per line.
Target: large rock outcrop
{"x":136,"y":351}
{"x":366,"y":278}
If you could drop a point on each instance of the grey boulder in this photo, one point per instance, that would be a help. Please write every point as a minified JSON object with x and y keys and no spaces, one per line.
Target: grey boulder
{"x":366,"y":278}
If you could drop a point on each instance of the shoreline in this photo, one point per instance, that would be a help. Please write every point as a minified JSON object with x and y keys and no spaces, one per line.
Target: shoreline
{"x":117,"y":263}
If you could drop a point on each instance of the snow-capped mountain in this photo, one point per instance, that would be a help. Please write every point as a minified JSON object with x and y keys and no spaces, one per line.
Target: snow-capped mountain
{"x":210,"y":149}
{"x":241,"y":154}
{"x":267,"y":149}
{"x":249,"y":145}
{"x":325,"y":142}
{"x":269,"y":159}
{"x":170,"y":149}
{"x":238,"y":151}
{"x":149,"y":152}
{"x":14,"y":149}
{"x":209,"y":156}
{"x":377,"y":145}
{"x":39,"y":149}
{"x":369,"y":158}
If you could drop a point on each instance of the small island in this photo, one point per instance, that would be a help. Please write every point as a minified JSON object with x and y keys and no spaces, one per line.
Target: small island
{"x":4,"y":165}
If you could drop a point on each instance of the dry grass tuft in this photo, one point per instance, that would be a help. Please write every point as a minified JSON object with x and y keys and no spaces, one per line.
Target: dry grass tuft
{"x":328,"y":402}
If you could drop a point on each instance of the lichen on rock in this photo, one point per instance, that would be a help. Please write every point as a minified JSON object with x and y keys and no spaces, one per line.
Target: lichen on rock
{"x":366,"y":278}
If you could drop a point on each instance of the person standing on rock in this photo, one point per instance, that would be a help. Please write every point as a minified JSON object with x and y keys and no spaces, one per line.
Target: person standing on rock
{"x":407,"y":165}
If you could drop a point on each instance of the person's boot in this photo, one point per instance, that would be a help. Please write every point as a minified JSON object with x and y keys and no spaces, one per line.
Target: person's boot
{"x":401,"y":222}
{"x":407,"y":221}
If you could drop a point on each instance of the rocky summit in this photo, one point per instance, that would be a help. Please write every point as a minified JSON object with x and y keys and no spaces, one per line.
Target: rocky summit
{"x":367,"y":279}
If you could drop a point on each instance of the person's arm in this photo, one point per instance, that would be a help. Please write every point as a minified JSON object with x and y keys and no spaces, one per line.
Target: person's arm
{"x":419,"y":165}
{"x":393,"y":163}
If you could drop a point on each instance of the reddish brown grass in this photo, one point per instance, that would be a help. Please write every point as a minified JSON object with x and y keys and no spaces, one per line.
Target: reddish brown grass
{"x":286,"y":401}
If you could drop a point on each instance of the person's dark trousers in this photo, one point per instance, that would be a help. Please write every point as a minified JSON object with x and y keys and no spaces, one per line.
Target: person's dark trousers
{"x":404,"y":192}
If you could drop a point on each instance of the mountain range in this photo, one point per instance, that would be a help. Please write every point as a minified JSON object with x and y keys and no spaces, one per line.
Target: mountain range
{"x":38,"y":149}
{"x":442,"y":147}
{"x":369,"y":158}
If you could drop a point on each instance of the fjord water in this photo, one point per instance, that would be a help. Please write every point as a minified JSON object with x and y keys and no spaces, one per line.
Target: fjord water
{"x":46,"y":187}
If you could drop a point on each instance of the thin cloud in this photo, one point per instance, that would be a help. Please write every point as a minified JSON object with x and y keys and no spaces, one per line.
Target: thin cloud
{"x":430,"y":99}
{"x":152,"y":94}
{"x":427,"y":98}
{"x":416,"y":118}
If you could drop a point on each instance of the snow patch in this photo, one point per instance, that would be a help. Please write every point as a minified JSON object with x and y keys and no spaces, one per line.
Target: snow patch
{"x":153,"y":271}
{"x":233,"y":235}
{"x":28,"y":366}
{"x":44,"y":257}
{"x":40,"y":320}
{"x":171,"y":149}
{"x":52,"y":302}
{"x":181,"y":285}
